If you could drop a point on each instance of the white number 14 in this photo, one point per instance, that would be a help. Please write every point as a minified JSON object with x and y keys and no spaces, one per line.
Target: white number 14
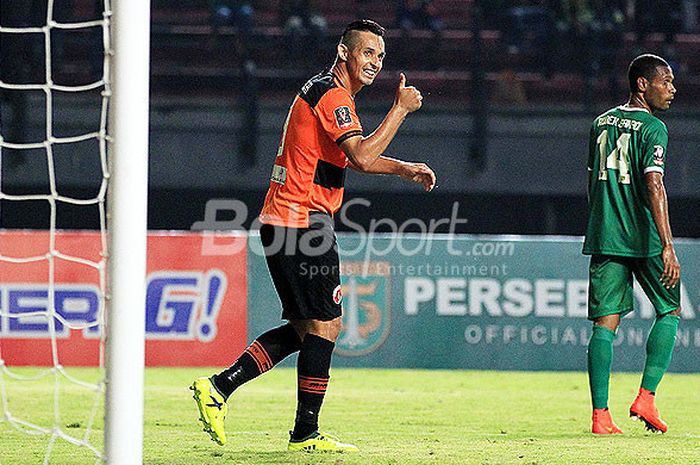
{"x":618,"y":159}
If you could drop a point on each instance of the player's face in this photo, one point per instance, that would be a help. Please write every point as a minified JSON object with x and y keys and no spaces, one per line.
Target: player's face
{"x":660,"y":90}
{"x":365,"y":60}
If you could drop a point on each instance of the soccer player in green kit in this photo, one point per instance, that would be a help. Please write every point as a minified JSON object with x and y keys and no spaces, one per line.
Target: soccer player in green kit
{"x":629,"y":234}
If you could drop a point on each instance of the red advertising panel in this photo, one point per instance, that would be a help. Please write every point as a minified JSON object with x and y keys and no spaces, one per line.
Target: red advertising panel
{"x":196,"y":302}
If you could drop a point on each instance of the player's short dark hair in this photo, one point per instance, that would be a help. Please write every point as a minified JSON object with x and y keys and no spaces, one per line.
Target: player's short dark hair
{"x":644,"y":66}
{"x":360,"y":25}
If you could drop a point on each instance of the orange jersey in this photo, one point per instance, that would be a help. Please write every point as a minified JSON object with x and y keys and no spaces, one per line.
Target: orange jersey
{"x":309,"y":171}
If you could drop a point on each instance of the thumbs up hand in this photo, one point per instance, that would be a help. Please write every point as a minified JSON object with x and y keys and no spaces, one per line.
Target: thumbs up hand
{"x":407,"y":97}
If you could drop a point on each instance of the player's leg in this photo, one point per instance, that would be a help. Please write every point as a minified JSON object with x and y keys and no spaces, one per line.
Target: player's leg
{"x":660,"y":342}
{"x":609,"y":298}
{"x":260,"y":356}
{"x":270,"y":348}
{"x":313,"y":372}
{"x":211,"y":394}
{"x":313,"y":376}
{"x":317,"y":318}
{"x":600,"y":355}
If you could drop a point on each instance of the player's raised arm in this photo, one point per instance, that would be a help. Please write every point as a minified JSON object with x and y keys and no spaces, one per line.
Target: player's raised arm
{"x":364,"y":152}
{"x":658,"y":202}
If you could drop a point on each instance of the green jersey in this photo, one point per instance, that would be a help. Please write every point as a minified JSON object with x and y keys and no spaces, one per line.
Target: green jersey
{"x":625,"y":144}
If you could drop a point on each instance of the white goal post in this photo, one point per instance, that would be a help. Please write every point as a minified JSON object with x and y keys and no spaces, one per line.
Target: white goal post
{"x":127,"y":205}
{"x":123,"y":153}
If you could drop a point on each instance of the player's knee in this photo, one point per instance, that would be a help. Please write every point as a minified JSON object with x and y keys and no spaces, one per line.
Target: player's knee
{"x":676,"y":312}
{"x":610,"y":322}
{"x":325,"y":329}
{"x":335,"y":326}
{"x":331,"y":329}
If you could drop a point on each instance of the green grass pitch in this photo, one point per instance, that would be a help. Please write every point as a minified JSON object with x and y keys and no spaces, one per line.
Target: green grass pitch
{"x":396,"y":417}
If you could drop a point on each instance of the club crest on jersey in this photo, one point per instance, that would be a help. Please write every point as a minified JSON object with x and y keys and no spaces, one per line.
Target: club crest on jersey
{"x":658,"y":155}
{"x":343,"y":117}
{"x":367,"y":307}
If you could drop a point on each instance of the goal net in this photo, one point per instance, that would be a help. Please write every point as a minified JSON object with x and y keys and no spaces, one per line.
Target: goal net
{"x":53,"y":284}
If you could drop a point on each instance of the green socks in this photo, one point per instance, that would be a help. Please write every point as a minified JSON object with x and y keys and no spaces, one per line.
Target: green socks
{"x":660,"y":342}
{"x":600,"y":353}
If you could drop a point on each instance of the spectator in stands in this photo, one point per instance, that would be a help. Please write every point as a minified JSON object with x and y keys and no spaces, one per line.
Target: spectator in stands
{"x":528,"y":29}
{"x":236,"y":13}
{"x":590,"y":39}
{"x":304,"y":29}
{"x":420,"y":15}
{"x":604,"y":35}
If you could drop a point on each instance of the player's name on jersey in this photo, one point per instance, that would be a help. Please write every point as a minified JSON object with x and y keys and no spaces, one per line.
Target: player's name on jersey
{"x":622,"y":123}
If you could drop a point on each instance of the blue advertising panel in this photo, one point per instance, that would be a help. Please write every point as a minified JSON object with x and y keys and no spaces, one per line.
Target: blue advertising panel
{"x":476,"y":302}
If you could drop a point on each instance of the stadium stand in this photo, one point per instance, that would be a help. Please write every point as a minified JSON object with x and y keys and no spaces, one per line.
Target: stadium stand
{"x":188,"y":57}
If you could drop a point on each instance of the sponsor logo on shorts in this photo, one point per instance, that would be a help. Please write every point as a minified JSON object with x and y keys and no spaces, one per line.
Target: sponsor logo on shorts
{"x":367,"y":307}
{"x":658,"y":155}
{"x":338,"y":294}
{"x":343,"y":117}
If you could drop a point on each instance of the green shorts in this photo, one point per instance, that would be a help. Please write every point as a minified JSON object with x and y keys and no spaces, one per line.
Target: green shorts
{"x":610,"y":285}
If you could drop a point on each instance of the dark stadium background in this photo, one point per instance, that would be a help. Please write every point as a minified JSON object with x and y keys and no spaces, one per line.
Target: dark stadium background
{"x":510,"y":90}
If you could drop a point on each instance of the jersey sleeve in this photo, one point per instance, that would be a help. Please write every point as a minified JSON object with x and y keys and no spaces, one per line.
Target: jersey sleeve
{"x":654,"y":149}
{"x":336,"y":112}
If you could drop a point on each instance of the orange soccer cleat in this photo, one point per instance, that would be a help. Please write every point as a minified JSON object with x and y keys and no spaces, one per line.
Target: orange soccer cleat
{"x":643,"y":409}
{"x":603,"y":422}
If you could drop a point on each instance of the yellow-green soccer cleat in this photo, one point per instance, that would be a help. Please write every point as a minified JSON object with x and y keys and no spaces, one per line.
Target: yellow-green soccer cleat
{"x":321,"y":442}
{"x":212,"y":409}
